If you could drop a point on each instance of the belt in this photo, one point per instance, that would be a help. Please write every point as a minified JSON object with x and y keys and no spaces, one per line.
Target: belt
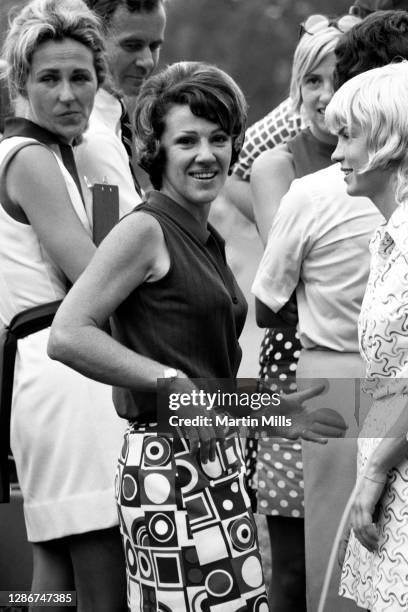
{"x":23,"y":324}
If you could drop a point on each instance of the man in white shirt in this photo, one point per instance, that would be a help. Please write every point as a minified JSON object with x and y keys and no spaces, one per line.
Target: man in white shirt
{"x":134,"y":36}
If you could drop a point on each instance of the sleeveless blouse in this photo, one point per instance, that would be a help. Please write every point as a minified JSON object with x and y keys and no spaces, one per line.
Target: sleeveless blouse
{"x":191,"y":318}
{"x":309,"y":154}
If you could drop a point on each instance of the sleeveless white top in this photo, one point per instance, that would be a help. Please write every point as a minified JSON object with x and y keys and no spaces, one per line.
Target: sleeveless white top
{"x":65,"y":434}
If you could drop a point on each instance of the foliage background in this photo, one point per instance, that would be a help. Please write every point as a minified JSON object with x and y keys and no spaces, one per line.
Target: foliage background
{"x":253,"y":40}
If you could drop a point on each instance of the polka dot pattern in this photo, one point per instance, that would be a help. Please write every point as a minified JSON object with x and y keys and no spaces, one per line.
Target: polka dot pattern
{"x":274,"y":467}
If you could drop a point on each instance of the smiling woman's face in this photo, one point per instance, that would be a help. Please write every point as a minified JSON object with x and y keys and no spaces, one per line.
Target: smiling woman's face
{"x":351,"y":152}
{"x":197,"y":158}
{"x":61,"y":87}
{"x":317,"y":91}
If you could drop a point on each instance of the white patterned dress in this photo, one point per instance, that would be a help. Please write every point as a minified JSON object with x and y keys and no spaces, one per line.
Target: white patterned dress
{"x":379,"y":581}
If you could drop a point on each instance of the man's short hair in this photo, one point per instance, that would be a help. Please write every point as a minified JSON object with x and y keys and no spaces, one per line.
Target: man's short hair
{"x":378,"y":40}
{"x":105,"y":9}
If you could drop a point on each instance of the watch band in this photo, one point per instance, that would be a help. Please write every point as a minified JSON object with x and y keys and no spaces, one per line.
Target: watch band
{"x":170,"y":374}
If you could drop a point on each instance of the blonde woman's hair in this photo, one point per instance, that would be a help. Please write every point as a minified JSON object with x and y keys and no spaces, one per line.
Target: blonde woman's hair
{"x":374,"y":103}
{"x":310,"y":51}
{"x":41,"y":21}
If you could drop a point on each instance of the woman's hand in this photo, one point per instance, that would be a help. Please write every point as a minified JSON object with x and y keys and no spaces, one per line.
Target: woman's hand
{"x":201,"y":438}
{"x":369,"y":490}
{"x":313,"y":425}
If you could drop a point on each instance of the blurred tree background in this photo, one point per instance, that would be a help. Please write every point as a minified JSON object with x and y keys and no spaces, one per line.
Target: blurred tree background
{"x":253,"y":40}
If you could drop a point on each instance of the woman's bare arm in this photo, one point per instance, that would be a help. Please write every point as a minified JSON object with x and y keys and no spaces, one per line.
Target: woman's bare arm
{"x":392,"y":449}
{"x":271,"y":176}
{"x":133,"y":253}
{"x":35,"y":183}
{"x":285,"y":317}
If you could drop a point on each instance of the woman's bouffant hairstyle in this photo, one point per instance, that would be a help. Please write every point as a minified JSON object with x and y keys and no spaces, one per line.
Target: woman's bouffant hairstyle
{"x":310,"y":51}
{"x":209,"y":92}
{"x":41,"y":21}
{"x":374,"y":103}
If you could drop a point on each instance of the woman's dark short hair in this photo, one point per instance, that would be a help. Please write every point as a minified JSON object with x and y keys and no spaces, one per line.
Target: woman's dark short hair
{"x":41,"y":21}
{"x":377,"y":41}
{"x":209,"y":92}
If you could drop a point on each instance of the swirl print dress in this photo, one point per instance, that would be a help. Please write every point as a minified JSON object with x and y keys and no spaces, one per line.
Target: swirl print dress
{"x":378,"y":581}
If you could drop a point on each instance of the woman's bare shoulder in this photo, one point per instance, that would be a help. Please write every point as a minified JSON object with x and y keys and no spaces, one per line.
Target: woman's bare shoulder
{"x":32,"y":159}
{"x":274,"y":165}
{"x":142,"y":224}
{"x":277,"y":158}
{"x":138,"y":235}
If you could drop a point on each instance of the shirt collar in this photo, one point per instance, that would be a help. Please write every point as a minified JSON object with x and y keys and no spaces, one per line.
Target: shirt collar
{"x":180,"y":215}
{"x":18,"y":126}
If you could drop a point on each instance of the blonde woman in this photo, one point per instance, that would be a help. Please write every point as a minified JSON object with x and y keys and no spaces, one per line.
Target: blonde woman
{"x":368,"y":114}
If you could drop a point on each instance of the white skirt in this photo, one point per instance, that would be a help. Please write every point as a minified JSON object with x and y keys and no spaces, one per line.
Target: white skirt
{"x":65,"y":438}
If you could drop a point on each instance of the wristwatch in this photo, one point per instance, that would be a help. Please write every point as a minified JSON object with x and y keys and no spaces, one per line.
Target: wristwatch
{"x":171,"y":374}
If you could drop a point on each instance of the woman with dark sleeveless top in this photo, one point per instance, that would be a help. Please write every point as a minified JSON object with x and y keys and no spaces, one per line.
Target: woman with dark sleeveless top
{"x":188,"y":531}
{"x":274,"y":466}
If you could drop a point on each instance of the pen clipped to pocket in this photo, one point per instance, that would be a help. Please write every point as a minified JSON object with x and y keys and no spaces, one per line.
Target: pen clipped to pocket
{"x":105,"y":209}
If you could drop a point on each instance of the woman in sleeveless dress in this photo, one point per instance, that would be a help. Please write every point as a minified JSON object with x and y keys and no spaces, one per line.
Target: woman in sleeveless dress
{"x":64,"y":430}
{"x":188,"y":530}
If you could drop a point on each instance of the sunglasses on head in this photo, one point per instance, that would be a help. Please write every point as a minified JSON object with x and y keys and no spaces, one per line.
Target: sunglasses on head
{"x":317,"y":23}
{"x":360,"y":11}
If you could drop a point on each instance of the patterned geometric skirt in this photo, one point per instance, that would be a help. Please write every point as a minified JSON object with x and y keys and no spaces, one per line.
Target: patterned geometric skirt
{"x":189,"y":536}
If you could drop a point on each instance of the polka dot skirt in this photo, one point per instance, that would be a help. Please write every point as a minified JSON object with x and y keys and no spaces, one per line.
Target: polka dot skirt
{"x":274,"y":467}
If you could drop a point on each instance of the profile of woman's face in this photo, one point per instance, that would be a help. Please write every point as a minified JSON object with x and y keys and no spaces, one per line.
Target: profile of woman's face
{"x":61,"y":87}
{"x":352,"y":153}
{"x":197,"y":158}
